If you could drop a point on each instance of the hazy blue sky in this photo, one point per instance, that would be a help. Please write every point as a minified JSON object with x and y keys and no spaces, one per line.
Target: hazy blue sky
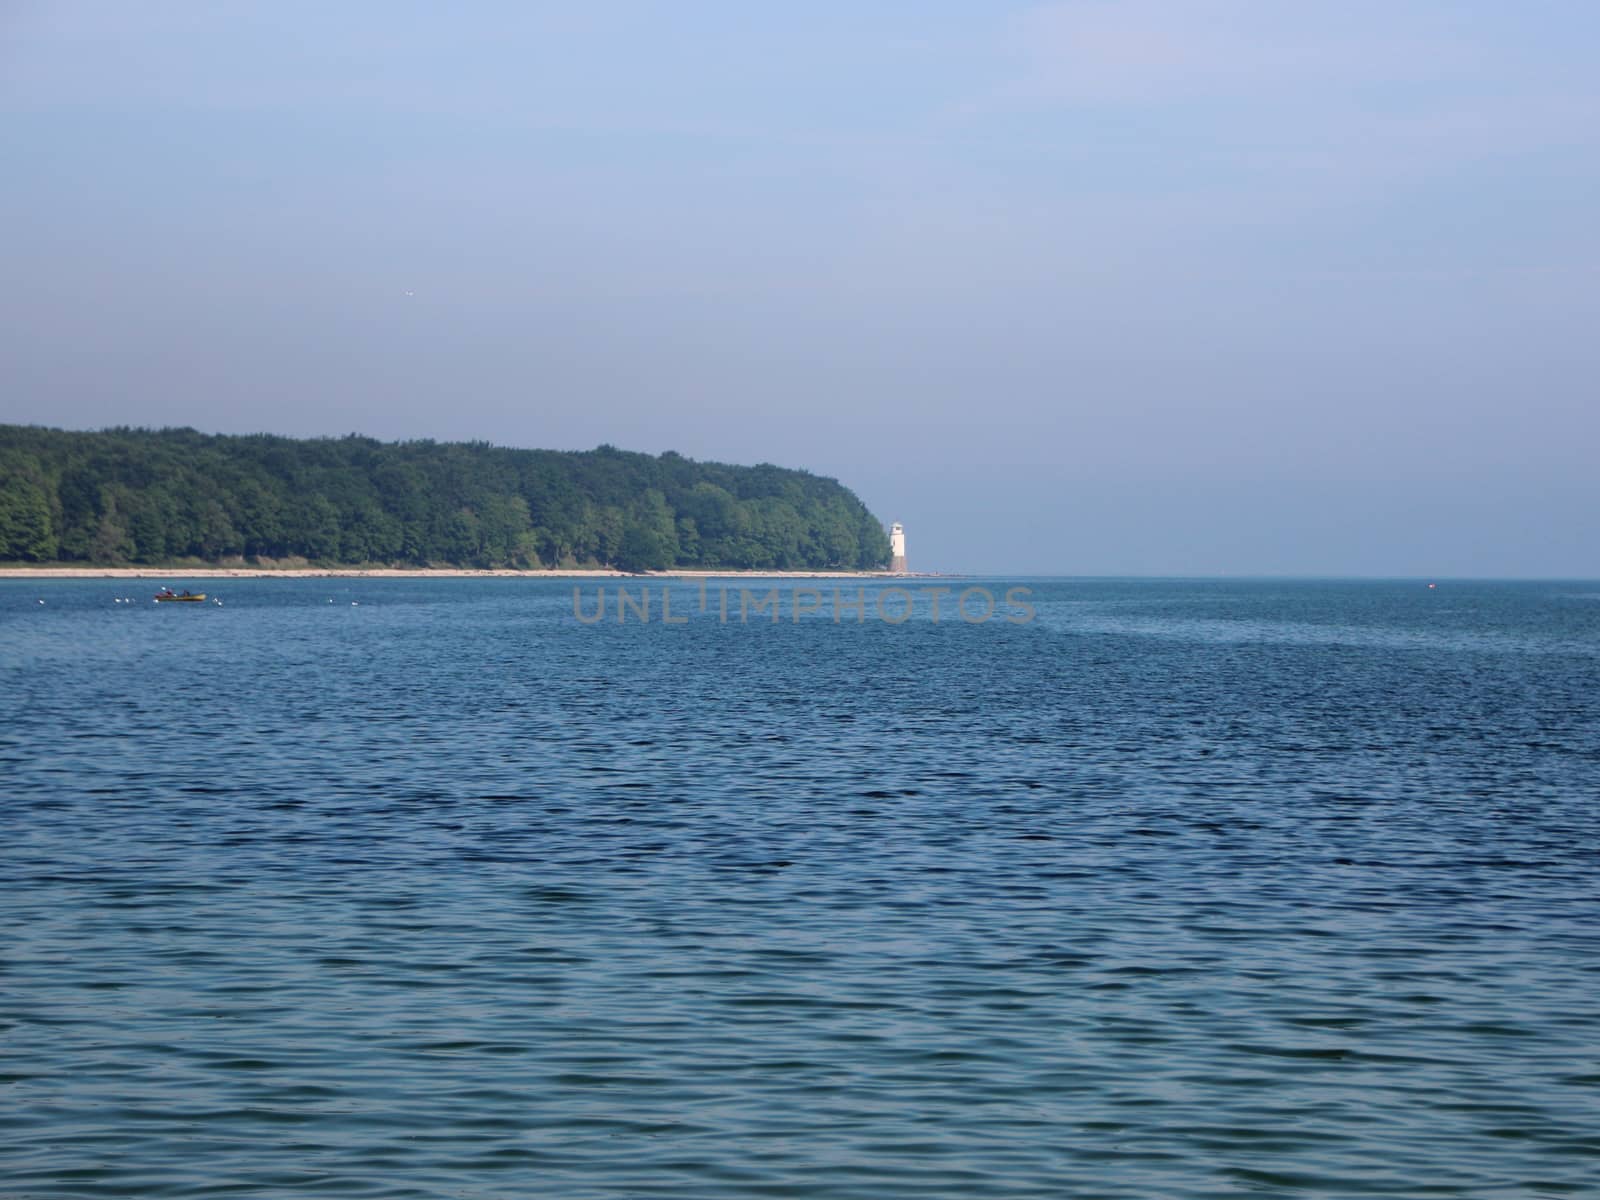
{"x":1096,"y":286}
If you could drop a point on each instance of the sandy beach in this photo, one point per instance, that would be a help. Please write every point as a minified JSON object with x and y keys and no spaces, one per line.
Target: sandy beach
{"x":171,"y":573}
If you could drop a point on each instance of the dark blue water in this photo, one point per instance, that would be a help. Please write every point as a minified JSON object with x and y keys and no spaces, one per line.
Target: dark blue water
{"x":1182,"y":889}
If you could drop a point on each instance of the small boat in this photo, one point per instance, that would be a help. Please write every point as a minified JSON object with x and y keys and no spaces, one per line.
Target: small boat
{"x":169,"y":594}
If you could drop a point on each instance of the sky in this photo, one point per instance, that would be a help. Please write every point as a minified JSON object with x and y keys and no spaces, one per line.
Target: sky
{"x":1083,"y":287}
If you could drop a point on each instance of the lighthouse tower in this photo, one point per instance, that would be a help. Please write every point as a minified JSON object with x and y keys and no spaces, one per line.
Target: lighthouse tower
{"x":897,"y":548}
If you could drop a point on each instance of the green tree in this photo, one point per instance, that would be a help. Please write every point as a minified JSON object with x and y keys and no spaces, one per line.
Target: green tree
{"x":643,"y":548}
{"x":463,"y":539}
{"x":153,"y":495}
{"x":312,"y":529}
{"x":505,"y":522}
{"x":218,"y":537}
{"x":26,"y":531}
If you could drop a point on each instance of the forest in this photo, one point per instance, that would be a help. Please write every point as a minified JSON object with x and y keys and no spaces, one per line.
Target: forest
{"x":143,"y":496}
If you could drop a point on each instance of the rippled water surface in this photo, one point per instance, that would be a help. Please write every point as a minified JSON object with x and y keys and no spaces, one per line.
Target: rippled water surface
{"x":1182,"y":889}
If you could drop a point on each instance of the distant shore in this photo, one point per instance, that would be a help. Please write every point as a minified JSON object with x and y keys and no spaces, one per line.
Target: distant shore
{"x":168,"y":573}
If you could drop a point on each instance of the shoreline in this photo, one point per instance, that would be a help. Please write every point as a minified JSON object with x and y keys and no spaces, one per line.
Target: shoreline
{"x":163,"y":573}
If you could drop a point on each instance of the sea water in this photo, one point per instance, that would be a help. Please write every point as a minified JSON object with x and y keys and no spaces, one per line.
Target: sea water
{"x":429,"y":888}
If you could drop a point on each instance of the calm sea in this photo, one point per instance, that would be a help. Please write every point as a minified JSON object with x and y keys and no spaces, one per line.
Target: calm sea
{"x":427,"y":889}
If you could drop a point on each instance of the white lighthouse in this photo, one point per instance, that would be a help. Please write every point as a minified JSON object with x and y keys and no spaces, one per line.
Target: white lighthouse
{"x":897,"y":549}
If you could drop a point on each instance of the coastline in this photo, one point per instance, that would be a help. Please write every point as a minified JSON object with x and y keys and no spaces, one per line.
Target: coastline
{"x":424,"y":573}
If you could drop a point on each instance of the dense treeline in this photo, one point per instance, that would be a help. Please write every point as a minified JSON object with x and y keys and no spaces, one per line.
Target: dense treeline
{"x":155,"y":496}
